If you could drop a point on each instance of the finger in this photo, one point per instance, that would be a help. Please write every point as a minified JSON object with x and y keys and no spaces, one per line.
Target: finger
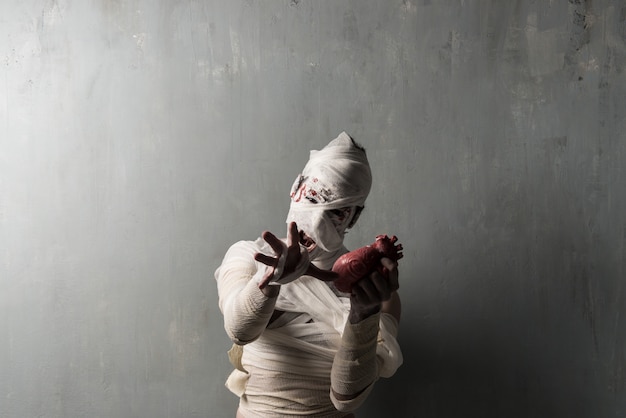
{"x":392,"y":272}
{"x":273,"y":241}
{"x":265,"y":281}
{"x":266,"y":259}
{"x":292,"y":235}
{"x":358,"y":295}
{"x":367,"y":292}
{"x":388,"y":263}
{"x":399,"y":248}
{"x":382,"y":285}
{"x":324,"y":275}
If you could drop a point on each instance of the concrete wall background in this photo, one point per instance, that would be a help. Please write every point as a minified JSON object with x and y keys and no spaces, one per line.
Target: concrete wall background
{"x":140,"y":138}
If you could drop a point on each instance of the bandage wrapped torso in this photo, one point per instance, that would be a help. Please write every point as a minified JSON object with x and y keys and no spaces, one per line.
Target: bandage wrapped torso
{"x":286,"y":367}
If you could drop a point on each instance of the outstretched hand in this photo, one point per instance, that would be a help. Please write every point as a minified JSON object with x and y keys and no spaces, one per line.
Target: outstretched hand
{"x":291,"y":260}
{"x":287,"y":255}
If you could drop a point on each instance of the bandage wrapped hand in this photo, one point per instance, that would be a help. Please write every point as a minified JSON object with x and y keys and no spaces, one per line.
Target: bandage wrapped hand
{"x":290,"y":263}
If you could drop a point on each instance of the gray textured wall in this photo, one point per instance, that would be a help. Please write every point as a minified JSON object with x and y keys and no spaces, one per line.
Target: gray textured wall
{"x":140,"y":138}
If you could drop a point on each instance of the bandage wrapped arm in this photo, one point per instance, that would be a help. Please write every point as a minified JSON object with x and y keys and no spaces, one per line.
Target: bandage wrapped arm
{"x":355,"y":367}
{"x":369,"y":350}
{"x":246,"y":309}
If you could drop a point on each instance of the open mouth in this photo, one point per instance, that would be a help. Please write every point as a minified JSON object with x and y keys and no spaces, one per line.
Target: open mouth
{"x":307,"y":241}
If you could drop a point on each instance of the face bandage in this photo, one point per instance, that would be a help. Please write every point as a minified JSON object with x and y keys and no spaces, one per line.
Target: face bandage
{"x":323,"y":227}
{"x":338,"y":177}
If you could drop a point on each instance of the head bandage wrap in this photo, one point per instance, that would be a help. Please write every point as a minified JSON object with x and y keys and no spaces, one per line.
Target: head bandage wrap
{"x":338,"y":176}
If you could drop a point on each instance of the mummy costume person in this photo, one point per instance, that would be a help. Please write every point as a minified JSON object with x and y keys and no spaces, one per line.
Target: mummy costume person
{"x":298,"y":349}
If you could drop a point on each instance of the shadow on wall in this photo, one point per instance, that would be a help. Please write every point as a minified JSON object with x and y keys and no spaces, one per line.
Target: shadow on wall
{"x":457,"y":379}
{"x":488,"y":376}
{"x":534,"y":338}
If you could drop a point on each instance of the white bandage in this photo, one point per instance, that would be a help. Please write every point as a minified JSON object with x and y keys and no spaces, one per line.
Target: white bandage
{"x":280,"y":266}
{"x":278,"y":278}
{"x":335,"y":177}
{"x":301,"y":268}
{"x":355,"y":367}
